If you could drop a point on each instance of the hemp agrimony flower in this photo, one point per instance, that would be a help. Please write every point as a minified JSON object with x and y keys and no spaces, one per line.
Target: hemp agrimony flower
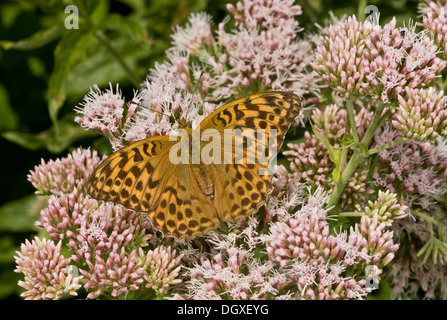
{"x":48,"y":274}
{"x":358,"y":58}
{"x":422,"y":114}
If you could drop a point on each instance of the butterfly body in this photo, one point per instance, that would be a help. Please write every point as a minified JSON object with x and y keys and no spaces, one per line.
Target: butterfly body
{"x":194,"y":195}
{"x":203,"y":179}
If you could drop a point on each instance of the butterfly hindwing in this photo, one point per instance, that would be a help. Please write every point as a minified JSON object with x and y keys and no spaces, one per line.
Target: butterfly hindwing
{"x":182,"y":210}
{"x":241,"y":190}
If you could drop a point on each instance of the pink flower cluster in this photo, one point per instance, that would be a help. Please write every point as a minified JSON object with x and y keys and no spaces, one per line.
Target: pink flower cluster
{"x":304,"y":260}
{"x":64,"y":175}
{"x":161,"y":268}
{"x":359,"y":58}
{"x":339,"y":57}
{"x":196,"y":36}
{"x":103,"y":243}
{"x":422,"y":114}
{"x":415,"y":170}
{"x":318,"y":259}
{"x":435,"y":20}
{"x":264,"y":48}
{"x":234,"y":273}
{"x":105,"y":113}
{"x":48,"y":274}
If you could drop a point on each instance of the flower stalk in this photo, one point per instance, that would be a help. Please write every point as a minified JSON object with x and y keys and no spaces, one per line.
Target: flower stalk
{"x":104,"y":40}
{"x":356,"y":158}
{"x":350,"y":110}
{"x":387,"y":146}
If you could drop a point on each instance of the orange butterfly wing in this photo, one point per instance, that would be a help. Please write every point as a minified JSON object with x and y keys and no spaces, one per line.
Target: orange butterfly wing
{"x":142,"y":178}
{"x":242,"y":188}
{"x":185,"y":200}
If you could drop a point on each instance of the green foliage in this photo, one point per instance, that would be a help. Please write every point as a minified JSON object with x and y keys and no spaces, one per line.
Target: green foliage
{"x":28,"y":207}
{"x":8,"y":117}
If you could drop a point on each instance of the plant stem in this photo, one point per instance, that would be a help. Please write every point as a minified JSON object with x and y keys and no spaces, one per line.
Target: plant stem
{"x":374,"y":124}
{"x":357,"y":156}
{"x":387,"y":145}
{"x":344,"y":178}
{"x":361,"y":10}
{"x":351,"y":214}
{"x":384,"y":118}
{"x":350,"y":111}
{"x":344,"y":152}
{"x":102,"y":38}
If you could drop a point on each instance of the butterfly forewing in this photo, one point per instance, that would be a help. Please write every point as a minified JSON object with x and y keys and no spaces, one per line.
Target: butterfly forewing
{"x":185,"y":200}
{"x":132,"y":176}
{"x":265,"y":110}
{"x":242,"y":185}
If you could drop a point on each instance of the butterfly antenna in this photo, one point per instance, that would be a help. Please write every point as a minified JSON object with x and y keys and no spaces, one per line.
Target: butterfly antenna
{"x":197,"y":83}
{"x":194,"y":92}
{"x":159,"y":112}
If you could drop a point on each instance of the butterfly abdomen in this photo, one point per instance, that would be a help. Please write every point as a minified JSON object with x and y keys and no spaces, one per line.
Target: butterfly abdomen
{"x":203,"y":179}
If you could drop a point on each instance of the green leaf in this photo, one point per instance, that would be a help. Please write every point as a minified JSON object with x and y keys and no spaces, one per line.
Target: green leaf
{"x":54,"y":140}
{"x":100,"y":11}
{"x":384,"y":292}
{"x":8,"y":117}
{"x":27,"y":140}
{"x":334,"y":153}
{"x":37,"y":40}
{"x":335,"y":175}
{"x":7,"y":249}
{"x":8,"y":14}
{"x":36,"y":67}
{"x":67,"y":133}
{"x":136,"y":5}
{"x":124,"y":24}
{"x":101,"y":68}
{"x":70,"y":49}
{"x":19,"y":215}
{"x":102,"y":145}
{"x":434,"y":249}
{"x":9,"y":279}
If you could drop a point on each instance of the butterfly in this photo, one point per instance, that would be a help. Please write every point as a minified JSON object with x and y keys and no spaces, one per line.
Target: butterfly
{"x":186,"y":199}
